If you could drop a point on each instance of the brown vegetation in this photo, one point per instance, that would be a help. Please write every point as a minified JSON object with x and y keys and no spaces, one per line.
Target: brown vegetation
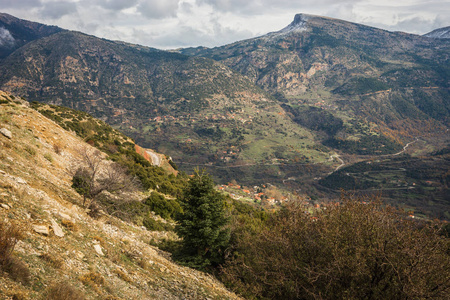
{"x":63,"y":291}
{"x":352,"y":249}
{"x":9,"y":236}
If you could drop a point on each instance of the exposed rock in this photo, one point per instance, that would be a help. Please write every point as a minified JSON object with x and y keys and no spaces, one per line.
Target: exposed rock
{"x":6,"y":133}
{"x":57,"y":229}
{"x":63,"y":216}
{"x":5,"y":206}
{"x":98,"y":249}
{"x":41,"y":229}
{"x":20,"y":180}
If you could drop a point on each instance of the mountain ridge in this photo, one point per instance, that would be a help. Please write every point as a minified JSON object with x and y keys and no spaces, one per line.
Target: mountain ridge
{"x":250,"y":103}
{"x":15,"y":32}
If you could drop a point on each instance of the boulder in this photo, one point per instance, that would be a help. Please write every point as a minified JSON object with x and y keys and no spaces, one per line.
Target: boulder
{"x":98,"y":249}
{"x":41,"y":229}
{"x":57,"y":229}
{"x":6,"y":133}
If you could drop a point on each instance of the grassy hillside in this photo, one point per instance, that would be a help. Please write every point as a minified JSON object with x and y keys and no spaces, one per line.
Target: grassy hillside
{"x":63,"y":252}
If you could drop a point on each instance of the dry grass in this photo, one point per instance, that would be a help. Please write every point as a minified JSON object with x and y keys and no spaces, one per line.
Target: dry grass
{"x":17,"y":270}
{"x":92,"y":278}
{"x":69,"y":225}
{"x":19,"y":295}
{"x":122,"y":275}
{"x":63,"y":291}
{"x":53,"y":260}
{"x":10,"y":234}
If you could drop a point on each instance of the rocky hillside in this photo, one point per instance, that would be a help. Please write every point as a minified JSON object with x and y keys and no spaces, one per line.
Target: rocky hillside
{"x":349,"y":69}
{"x":196,"y":110}
{"x":63,"y":251}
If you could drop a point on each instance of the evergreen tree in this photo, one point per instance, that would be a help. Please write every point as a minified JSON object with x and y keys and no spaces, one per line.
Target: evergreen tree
{"x":203,"y":223}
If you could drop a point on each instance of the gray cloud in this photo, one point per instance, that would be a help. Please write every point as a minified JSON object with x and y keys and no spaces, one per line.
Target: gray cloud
{"x":6,"y":39}
{"x":58,"y":9}
{"x":251,"y":7}
{"x":20,"y":4}
{"x":116,"y":5}
{"x":155,"y":9}
{"x":187,"y":36}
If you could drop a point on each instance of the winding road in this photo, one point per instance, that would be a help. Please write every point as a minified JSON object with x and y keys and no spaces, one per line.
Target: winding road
{"x":395,"y":154}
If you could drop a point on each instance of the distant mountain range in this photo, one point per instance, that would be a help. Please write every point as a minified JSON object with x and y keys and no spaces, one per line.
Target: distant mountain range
{"x":265,"y":109}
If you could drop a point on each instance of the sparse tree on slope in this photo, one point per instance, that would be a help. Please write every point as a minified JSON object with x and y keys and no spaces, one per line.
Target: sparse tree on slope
{"x":203,"y":224}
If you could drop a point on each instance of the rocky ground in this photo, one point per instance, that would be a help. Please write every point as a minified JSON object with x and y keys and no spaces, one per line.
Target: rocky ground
{"x":62,"y":247}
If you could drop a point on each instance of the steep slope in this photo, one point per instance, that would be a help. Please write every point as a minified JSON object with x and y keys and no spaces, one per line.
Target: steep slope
{"x":63,"y":249}
{"x":196,"y":110}
{"x":14,"y":33}
{"x":440,"y":33}
{"x":349,"y":69}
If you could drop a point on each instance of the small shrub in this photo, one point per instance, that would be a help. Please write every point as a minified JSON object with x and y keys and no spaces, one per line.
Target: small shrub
{"x":57,"y":148}
{"x":92,"y":278}
{"x":9,"y":236}
{"x":48,"y":157}
{"x":19,"y":295}
{"x":169,"y":246}
{"x":122,"y":275}
{"x":153,"y":225}
{"x":30,"y":150}
{"x":166,"y":208}
{"x":56,"y":262}
{"x":18,"y":270}
{"x":69,"y":225}
{"x":63,"y":291}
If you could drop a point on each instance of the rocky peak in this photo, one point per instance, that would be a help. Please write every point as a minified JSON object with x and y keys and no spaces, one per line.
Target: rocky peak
{"x":299,"y":23}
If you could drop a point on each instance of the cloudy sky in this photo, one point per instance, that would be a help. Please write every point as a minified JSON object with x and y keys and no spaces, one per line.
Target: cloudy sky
{"x":169,"y":24}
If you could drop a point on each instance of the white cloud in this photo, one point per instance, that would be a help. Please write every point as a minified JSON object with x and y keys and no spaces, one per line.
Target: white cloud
{"x":174,"y":23}
{"x":6,"y":39}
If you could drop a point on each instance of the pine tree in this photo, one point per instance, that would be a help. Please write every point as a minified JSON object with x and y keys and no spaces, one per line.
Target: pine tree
{"x":203,"y":223}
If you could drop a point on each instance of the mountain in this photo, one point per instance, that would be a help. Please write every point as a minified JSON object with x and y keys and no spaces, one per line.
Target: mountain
{"x":440,"y":33}
{"x":14,"y":33}
{"x":63,"y":252}
{"x":196,"y":110}
{"x":268,"y":109}
{"x":381,"y":76}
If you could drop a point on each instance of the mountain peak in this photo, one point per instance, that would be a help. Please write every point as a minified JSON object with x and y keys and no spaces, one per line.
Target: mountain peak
{"x":440,"y":33}
{"x":299,"y":24}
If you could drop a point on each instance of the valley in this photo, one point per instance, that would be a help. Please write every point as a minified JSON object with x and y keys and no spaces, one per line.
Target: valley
{"x":290,"y":108}
{"x":312,"y":162}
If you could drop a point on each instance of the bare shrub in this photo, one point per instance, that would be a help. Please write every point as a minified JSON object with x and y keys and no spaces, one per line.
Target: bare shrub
{"x":93,"y":175}
{"x":55,"y":261}
{"x":10,"y":234}
{"x":57,"y":148}
{"x":18,"y":270}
